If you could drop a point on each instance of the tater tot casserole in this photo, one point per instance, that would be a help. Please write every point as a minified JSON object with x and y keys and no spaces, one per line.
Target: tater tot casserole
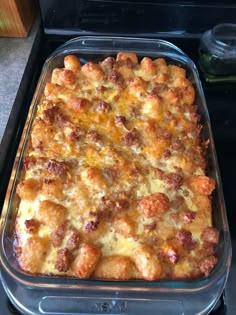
{"x":114,"y":183}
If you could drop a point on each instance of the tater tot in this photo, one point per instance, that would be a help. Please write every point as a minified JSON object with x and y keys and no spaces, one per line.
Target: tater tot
{"x":154,"y":204}
{"x":114,"y":267}
{"x":53,"y":188}
{"x":72,"y":62}
{"x":78,"y":104}
{"x":161,"y":78}
{"x":63,"y":77}
{"x":93,"y":177}
{"x":137,"y":87}
{"x":41,"y":139}
{"x":188,"y":95}
{"x":92,"y":71}
{"x":124,"y":226}
{"x":176,"y":71}
{"x":33,"y":253}
{"x":152,"y":106}
{"x":147,"y":263}
{"x":49,"y":88}
{"x":86,"y":261}
{"x":148,"y":67}
{"x":186,"y":90}
{"x":125,"y":55}
{"x":51,"y":213}
{"x":125,"y":72}
{"x":201,"y":184}
{"x":161,"y":65}
{"x":28,"y":189}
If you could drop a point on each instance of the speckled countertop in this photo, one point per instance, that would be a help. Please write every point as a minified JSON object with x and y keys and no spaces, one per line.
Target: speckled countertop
{"x":14,"y":54}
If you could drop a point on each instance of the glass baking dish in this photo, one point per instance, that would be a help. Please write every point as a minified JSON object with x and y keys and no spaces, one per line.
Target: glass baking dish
{"x":58,"y":295}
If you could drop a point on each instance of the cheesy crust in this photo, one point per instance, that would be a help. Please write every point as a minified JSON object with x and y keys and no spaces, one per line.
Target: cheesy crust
{"x":114,"y":183}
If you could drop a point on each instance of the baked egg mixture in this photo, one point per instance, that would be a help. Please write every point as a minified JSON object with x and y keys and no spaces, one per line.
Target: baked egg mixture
{"x":114,"y":183}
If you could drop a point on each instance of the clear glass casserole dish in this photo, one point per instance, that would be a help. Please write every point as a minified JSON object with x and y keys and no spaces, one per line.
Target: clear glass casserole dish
{"x":58,"y":295}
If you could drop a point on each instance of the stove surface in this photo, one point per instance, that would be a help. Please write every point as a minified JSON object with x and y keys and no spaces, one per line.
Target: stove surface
{"x":220,"y":99}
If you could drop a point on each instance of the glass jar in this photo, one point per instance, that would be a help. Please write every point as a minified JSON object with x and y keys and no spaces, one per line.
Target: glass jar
{"x":217,"y":51}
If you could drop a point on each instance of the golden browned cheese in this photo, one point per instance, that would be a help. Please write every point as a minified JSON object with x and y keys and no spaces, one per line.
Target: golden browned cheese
{"x":114,"y":183}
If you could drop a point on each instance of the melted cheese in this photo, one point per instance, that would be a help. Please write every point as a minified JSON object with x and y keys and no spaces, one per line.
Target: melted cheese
{"x":94,"y":146}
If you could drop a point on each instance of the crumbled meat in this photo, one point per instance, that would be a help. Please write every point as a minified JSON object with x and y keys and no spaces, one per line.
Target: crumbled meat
{"x":169,"y":253}
{"x":50,"y":114}
{"x":136,"y":171}
{"x":131,"y":137}
{"x":56,"y":167}
{"x":166,"y":154}
{"x":116,"y":78}
{"x":187,"y":216}
{"x":162,"y":133}
{"x":93,"y":136}
{"x":177,"y":145}
{"x":159,"y":88}
{"x":150,"y":227}
{"x":157,"y":173}
{"x":17,"y":248}
{"x":207,"y":264}
{"x":58,"y":235}
{"x":75,"y":136}
{"x":178,"y":202}
{"x":173,"y":180}
{"x":110,"y":173}
{"x":63,"y":261}
{"x":91,"y":226}
{"x":178,"y":169}
{"x":48,"y":181}
{"x":185,"y":192}
{"x":122,"y":204}
{"x":79,"y":104}
{"x":106,"y":206}
{"x":173,"y":256}
{"x":61,"y":120}
{"x":29,"y":162}
{"x":39,"y":147}
{"x":185,"y":239}
{"x":101,"y":89}
{"x":210,"y":235}
{"x":103,"y":107}
{"x":32,"y":225}
{"x":17,"y":251}
{"x":134,"y":111}
{"x":73,"y":241}
{"x":120,"y":120}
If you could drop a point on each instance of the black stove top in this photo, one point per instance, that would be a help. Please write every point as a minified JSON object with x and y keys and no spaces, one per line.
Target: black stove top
{"x":220,"y":98}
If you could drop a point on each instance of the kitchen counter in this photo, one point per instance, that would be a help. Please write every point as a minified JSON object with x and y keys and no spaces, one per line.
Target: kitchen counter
{"x":14,"y":55}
